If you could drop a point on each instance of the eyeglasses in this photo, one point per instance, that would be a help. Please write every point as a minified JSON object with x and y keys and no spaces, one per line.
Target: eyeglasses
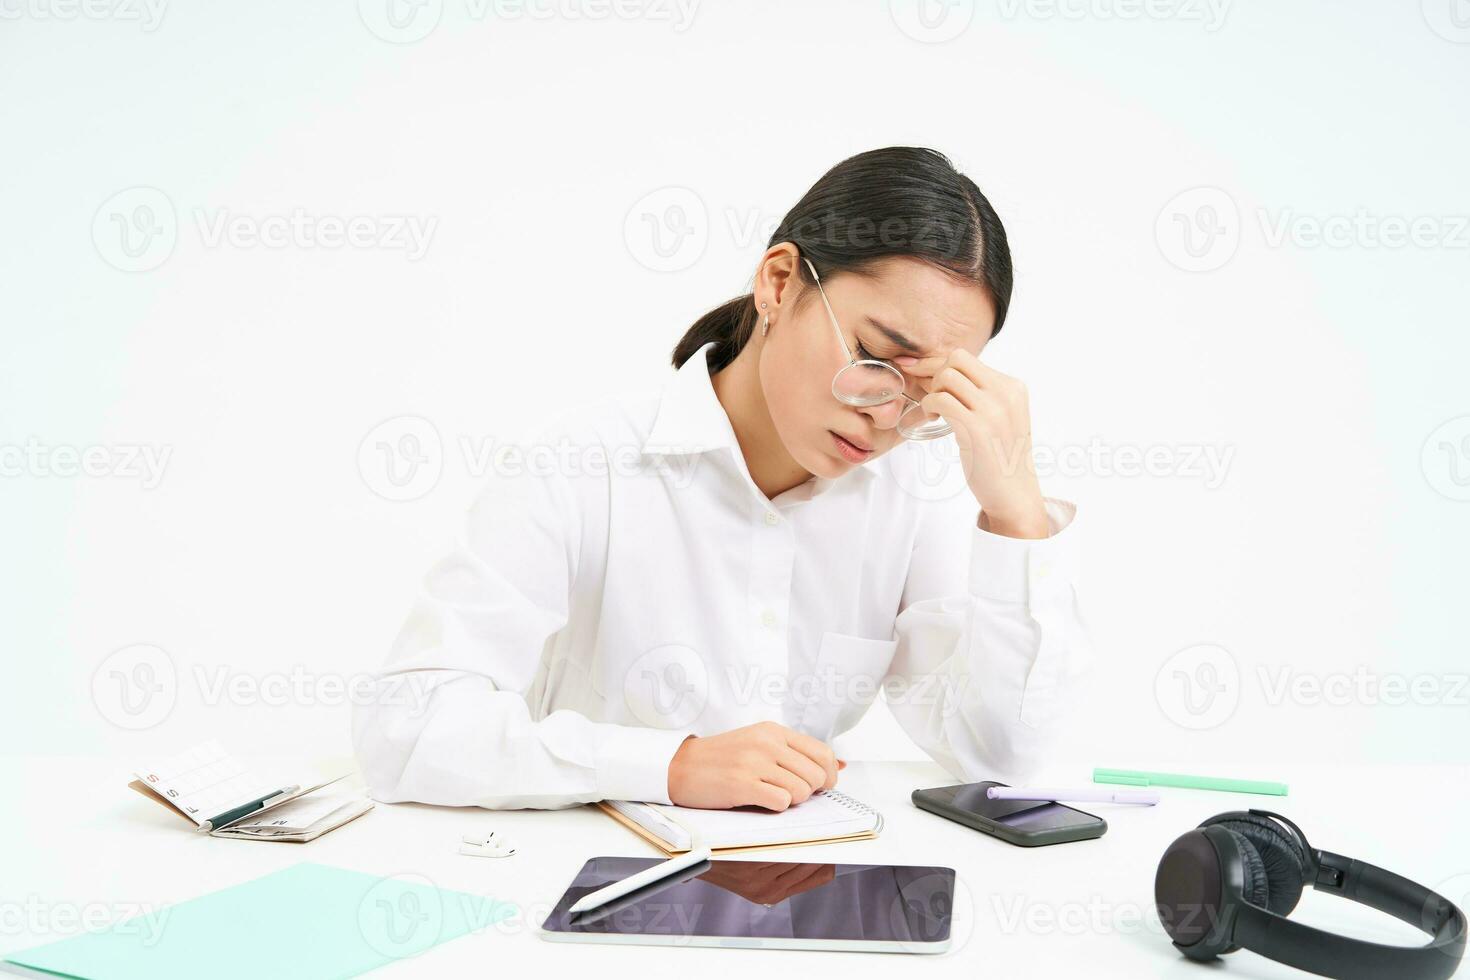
{"x":867,"y":383}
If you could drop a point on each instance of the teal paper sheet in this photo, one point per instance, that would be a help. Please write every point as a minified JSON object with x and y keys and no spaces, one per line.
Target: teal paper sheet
{"x":309,"y":920}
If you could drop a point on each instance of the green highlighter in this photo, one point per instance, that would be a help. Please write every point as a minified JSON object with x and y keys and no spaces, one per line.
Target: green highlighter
{"x":1132,"y":777}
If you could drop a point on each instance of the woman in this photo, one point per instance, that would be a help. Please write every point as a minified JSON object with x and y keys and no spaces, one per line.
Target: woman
{"x":702,"y":588}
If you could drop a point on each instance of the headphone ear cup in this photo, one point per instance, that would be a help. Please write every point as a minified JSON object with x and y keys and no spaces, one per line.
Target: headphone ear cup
{"x":1257,"y":887}
{"x":1188,"y":891}
{"x":1280,"y":854}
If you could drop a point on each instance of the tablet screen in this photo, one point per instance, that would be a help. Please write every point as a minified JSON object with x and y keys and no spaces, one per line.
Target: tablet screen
{"x":893,"y":905}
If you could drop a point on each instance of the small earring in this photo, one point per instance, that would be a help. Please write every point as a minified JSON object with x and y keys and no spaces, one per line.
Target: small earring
{"x":765,"y":325}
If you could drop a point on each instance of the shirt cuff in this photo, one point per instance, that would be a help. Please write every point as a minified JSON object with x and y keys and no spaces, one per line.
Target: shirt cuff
{"x":633,"y":763}
{"x":1027,"y":570}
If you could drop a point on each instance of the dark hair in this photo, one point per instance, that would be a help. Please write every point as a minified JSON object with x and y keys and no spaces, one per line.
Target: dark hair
{"x":899,"y":200}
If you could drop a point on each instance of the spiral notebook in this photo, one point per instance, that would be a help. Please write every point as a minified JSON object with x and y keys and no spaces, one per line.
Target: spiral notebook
{"x":826,"y":817}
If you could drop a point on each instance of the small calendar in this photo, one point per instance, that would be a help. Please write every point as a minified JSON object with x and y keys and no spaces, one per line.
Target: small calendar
{"x":224,"y":798}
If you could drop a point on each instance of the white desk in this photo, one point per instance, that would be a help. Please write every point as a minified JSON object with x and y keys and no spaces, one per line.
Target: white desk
{"x":78,"y":842}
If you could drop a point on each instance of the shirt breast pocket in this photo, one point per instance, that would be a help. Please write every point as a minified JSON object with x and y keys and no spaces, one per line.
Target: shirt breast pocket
{"x":849,"y":674}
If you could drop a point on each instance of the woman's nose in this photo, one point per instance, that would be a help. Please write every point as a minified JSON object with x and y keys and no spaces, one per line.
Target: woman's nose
{"x":885,"y":416}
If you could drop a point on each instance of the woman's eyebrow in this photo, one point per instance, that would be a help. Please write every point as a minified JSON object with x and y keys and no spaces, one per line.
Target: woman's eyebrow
{"x":896,"y":337}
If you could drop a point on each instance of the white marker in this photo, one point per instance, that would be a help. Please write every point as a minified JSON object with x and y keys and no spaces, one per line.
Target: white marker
{"x":1089,"y":794}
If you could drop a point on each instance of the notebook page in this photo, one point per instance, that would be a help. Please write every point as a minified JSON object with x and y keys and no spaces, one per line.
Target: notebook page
{"x":824,"y":814}
{"x":204,"y":781}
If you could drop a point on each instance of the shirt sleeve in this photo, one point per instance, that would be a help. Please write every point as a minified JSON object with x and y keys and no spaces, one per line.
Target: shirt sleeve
{"x":446,"y":720}
{"x":991,"y":641}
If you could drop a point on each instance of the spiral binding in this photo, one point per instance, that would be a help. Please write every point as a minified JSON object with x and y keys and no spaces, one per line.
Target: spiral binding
{"x":856,"y":805}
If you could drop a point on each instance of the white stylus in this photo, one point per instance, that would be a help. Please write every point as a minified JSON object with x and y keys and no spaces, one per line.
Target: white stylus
{"x":1089,"y":794}
{"x":647,"y":876}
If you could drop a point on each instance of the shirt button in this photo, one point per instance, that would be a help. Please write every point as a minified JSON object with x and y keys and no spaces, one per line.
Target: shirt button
{"x":771,"y":517}
{"x":768,"y":618}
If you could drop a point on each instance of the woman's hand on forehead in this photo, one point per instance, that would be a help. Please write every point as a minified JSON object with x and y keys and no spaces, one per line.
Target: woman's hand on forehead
{"x":924,"y":367}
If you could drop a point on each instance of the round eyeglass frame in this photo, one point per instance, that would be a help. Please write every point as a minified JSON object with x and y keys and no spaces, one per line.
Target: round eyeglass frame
{"x":932,"y":429}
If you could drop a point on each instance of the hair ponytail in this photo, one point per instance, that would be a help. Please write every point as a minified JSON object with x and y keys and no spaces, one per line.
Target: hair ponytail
{"x":899,"y":200}
{"x":729,"y":325}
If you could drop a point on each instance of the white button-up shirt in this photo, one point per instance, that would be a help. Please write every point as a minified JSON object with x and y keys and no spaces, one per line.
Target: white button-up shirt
{"x":622,"y":583}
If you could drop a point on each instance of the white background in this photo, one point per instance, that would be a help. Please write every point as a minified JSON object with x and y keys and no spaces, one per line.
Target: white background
{"x":543,"y":148}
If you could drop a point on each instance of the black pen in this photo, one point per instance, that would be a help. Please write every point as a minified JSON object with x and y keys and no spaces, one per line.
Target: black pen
{"x":245,"y":809}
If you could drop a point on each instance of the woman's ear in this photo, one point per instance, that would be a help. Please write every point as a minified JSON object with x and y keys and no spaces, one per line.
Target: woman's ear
{"x":775,"y":275}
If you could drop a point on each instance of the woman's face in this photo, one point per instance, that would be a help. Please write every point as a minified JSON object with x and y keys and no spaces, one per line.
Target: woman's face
{"x":916,"y":302}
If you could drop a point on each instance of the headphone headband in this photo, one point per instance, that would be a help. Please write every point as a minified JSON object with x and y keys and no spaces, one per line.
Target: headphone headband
{"x":1216,"y":869}
{"x":1330,"y":954}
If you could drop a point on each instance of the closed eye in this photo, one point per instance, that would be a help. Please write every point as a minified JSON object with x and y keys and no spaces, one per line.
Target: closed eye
{"x":912,"y":385}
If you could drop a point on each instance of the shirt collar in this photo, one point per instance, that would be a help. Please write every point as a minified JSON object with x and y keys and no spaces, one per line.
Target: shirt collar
{"x":691,"y":419}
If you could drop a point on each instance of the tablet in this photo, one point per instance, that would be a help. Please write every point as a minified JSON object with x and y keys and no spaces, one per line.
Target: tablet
{"x":888,"y":908}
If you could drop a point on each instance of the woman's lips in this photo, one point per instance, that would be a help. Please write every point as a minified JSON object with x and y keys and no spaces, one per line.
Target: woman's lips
{"x":850,"y":451}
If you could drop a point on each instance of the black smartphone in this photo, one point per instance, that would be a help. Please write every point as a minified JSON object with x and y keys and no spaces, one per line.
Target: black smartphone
{"x":1027,"y":823}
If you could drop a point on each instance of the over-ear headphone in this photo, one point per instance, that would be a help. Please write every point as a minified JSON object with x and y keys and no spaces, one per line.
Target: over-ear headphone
{"x":1231,"y":882}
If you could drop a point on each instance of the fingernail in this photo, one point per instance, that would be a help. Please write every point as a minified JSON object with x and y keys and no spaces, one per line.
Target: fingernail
{"x":906,"y":360}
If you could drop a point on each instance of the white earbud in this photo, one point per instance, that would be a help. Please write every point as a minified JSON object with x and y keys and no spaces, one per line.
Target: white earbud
{"x":480,"y":845}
